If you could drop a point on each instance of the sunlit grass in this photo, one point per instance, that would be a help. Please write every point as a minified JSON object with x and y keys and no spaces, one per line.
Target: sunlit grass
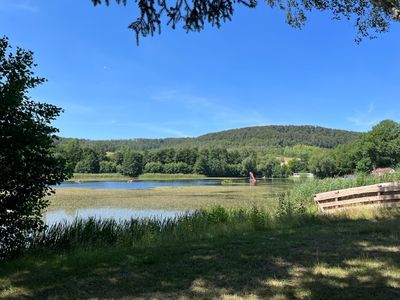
{"x":330,"y":257}
{"x":168,"y":198}
{"x":98,"y":177}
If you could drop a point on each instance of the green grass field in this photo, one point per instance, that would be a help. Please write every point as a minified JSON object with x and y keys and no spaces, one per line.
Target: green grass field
{"x":327,"y":258}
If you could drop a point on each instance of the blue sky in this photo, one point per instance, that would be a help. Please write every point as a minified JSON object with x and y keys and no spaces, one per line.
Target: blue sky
{"x":255,"y":70}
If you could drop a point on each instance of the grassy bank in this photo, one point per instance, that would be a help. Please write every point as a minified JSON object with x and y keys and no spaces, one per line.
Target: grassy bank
{"x":170,"y":198}
{"x":158,"y":176}
{"x":257,"y":258}
{"x":99,"y":177}
{"x":300,"y":198}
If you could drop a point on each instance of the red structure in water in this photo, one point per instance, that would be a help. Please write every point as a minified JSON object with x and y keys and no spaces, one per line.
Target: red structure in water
{"x":252,"y":179}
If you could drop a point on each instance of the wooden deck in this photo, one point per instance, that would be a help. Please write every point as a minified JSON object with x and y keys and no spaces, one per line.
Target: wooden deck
{"x":384,"y":194}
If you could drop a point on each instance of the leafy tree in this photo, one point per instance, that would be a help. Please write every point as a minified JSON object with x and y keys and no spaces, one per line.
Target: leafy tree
{"x":186,"y":155}
{"x":216,"y":167}
{"x":117,"y":157}
{"x":370,"y":16}
{"x":132,"y":164}
{"x":249,"y":164}
{"x":90,"y":162}
{"x":323,"y":165}
{"x":72,"y":151}
{"x":108,"y":167}
{"x":296,"y":165}
{"x":381,"y":146}
{"x":201,"y":165}
{"x":281,"y":171}
{"x":346,"y":158}
{"x":154,"y":167}
{"x":179,"y":167}
{"x":27,"y":159}
{"x":267,"y":167}
{"x":165,"y":156}
{"x":233,"y":170}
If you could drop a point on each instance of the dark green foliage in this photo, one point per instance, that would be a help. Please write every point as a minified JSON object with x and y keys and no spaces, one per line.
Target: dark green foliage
{"x":132,"y":164}
{"x":370,"y":16}
{"x":154,"y":167}
{"x":27,"y":160}
{"x":186,"y":155}
{"x":267,"y":167}
{"x":72,"y":151}
{"x":108,"y":167}
{"x":256,"y":138}
{"x":90,"y":162}
{"x":249,"y":164}
{"x":178,"y":167}
{"x":382,"y":144}
{"x":323,"y":165}
{"x":362,"y":152}
{"x":297,"y":165}
{"x":201,"y":166}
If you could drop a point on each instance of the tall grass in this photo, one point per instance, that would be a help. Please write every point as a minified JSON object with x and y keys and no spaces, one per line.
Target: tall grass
{"x":299,"y":199}
{"x":92,"y":233}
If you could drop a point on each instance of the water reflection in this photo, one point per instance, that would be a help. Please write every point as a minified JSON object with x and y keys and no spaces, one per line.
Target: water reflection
{"x":142,"y":185}
{"x":53,"y":217}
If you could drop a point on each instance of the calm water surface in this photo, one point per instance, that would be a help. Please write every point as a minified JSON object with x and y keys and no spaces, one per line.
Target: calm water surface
{"x":143,"y":185}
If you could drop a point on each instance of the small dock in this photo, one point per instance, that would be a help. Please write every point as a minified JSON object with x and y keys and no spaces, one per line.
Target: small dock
{"x":383,"y":194}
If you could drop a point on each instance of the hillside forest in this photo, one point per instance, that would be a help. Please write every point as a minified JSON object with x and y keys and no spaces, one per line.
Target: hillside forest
{"x":270,"y":151}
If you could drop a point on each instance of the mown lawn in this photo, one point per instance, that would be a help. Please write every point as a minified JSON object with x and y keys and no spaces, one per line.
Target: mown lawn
{"x":328,"y":259}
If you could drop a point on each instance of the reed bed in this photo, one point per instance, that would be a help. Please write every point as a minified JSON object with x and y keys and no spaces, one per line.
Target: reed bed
{"x":300,"y":198}
{"x":93,"y":233}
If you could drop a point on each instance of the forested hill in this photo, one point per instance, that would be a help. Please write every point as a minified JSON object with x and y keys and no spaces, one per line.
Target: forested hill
{"x":281,"y":136}
{"x":259,"y":136}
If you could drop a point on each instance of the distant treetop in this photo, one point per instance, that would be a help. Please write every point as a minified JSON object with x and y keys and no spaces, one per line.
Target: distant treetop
{"x":370,"y":16}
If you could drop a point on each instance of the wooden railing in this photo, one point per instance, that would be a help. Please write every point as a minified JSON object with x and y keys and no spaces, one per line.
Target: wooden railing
{"x":384,"y":194}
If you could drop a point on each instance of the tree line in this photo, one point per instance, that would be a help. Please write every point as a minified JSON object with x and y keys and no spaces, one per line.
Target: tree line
{"x":378,"y":148}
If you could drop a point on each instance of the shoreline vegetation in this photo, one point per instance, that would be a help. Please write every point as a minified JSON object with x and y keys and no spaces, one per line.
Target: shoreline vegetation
{"x":283,"y":252}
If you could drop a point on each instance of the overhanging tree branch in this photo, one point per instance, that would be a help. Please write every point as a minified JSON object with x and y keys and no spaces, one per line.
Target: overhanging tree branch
{"x":370,"y":16}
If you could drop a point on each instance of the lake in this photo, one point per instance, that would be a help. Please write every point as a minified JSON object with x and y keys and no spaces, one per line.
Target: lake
{"x":123,"y":200}
{"x":148,"y":184}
